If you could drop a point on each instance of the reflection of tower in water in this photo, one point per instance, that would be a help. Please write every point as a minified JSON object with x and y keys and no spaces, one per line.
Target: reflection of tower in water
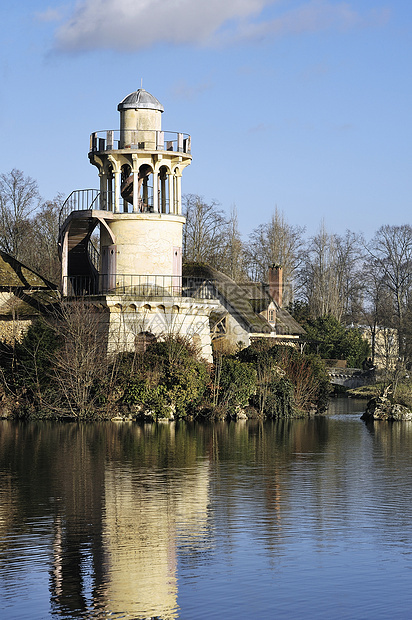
{"x":123,"y":558}
{"x":143,"y":514}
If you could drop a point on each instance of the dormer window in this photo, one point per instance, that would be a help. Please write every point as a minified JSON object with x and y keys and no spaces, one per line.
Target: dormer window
{"x":271,"y":316}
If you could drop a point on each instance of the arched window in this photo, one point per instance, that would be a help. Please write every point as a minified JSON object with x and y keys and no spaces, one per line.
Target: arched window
{"x":143,"y":340}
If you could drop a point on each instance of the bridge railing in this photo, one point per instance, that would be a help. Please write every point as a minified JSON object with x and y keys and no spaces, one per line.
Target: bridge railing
{"x":351,"y":377}
{"x":139,"y":286}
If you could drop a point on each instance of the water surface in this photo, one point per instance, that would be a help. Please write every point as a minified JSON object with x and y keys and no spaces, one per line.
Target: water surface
{"x":186,"y":521}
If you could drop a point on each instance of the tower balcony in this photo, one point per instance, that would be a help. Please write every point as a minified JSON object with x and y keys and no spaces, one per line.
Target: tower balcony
{"x":138,"y":286}
{"x":139,"y":140}
{"x":89,"y":200}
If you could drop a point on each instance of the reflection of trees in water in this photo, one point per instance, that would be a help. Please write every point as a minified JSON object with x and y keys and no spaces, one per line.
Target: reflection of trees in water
{"x":390,"y":487}
{"x":253,"y":471}
{"x":132,"y":504}
{"x":57,"y":471}
{"x":118,"y":506}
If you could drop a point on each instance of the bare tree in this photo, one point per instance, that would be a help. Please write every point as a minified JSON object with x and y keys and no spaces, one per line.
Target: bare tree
{"x":390,"y":254}
{"x":19,"y":198}
{"x":319,"y":275}
{"x":81,"y":362}
{"x":45,"y":259}
{"x":350,"y":274}
{"x":276,"y":242}
{"x":233,"y":261}
{"x":330,"y":275}
{"x":203,"y":236}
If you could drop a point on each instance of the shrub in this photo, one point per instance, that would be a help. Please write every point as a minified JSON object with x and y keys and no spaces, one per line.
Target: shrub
{"x":278,"y":401}
{"x":274,"y":363}
{"x":235,"y":382}
{"x":153,"y":398}
{"x":331,"y":340}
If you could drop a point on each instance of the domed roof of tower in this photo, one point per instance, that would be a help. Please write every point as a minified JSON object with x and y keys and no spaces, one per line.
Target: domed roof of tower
{"x":140,"y":99}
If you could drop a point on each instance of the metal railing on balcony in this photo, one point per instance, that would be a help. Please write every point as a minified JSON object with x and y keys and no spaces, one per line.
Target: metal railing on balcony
{"x":146,"y":286}
{"x":92,"y":199}
{"x":88,"y":199}
{"x":116,"y":139}
{"x":80,"y":200}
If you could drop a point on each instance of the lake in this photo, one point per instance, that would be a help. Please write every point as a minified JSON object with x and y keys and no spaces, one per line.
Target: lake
{"x":298,"y":518}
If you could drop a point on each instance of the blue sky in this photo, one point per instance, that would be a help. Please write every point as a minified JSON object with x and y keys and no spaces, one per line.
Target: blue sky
{"x":300,"y":104}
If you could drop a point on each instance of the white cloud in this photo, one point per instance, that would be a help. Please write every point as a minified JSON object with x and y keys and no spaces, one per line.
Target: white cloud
{"x":137,"y":24}
{"x":50,"y":15}
{"x":186,"y":91}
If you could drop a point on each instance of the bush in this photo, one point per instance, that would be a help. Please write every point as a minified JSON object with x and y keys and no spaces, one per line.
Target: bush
{"x":279,"y":400}
{"x":331,"y":340}
{"x":170,"y":372}
{"x":235,"y":382}
{"x":138,"y":392}
{"x":274,"y":363}
{"x":28,"y":369}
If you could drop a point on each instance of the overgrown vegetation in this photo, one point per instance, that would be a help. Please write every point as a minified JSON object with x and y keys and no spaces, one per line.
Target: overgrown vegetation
{"x":329,"y":339}
{"x":59,"y":370}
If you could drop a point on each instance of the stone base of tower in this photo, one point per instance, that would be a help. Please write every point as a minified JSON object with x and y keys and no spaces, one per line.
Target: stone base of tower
{"x":132,"y":323}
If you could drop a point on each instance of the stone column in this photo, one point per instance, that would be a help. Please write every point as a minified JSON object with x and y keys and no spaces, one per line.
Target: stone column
{"x":155,"y":192}
{"x":117,"y":191}
{"x":103,"y":191}
{"x":135,"y":191}
{"x":178,"y":194}
{"x":163,"y":192}
{"x":171,"y":192}
{"x":65,"y":264}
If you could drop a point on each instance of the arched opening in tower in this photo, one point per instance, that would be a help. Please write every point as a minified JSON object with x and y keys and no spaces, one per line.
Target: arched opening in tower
{"x":144,"y":189}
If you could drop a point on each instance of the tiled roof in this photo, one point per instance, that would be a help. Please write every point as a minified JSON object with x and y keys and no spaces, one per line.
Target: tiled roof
{"x":247,"y":300}
{"x":14,"y":274}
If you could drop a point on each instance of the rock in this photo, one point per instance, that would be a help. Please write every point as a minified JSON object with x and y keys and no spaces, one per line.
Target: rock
{"x":241,"y":415}
{"x":381,"y":408}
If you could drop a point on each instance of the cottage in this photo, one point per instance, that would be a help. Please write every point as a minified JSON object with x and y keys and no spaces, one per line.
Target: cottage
{"x":247,"y":310}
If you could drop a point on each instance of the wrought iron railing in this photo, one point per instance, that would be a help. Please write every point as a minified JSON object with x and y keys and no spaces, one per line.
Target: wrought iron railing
{"x":81,"y":200}
{"x":94,"y":254}
{"x":147,"y":286}
{"x":115,"y":139}
{"x":88,"y":199}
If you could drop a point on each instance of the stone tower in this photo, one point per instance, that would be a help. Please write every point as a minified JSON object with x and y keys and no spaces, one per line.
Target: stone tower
{"x":140,"y":169}
{"x":137,"y":267}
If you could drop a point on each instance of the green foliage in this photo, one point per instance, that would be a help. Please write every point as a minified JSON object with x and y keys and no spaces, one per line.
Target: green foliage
{"x":186,"y":383}
{"x":331,"y":340}
{"x":39,"y":343}
{"x":300,"y":311}
{"x":30,"y":372}
{"x":279,"y":400}
{"x":321,"y":377}
{"x":355,"y":349}
{"x":235,"y":381}
{"x":152,"y":398}
{"x":168,"y":377}
{"x":286,"y":378}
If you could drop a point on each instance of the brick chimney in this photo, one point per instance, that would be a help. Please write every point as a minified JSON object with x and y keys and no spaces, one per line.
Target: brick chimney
{"x":275,"y":278}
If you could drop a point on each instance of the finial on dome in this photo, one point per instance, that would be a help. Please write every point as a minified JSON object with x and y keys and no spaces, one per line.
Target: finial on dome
{"x":140,"y":99}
